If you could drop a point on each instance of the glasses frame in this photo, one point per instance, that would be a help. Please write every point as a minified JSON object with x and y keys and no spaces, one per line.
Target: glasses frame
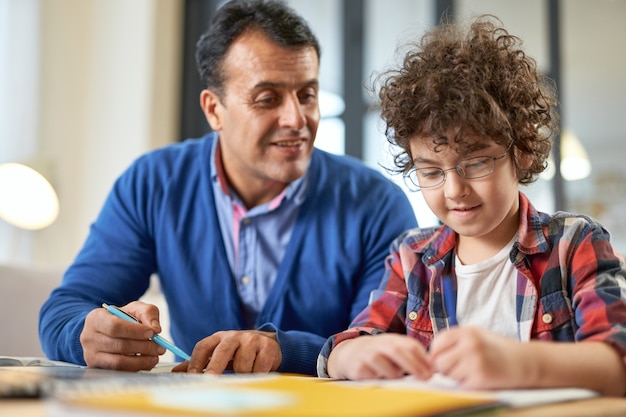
{"x":415,"y":182}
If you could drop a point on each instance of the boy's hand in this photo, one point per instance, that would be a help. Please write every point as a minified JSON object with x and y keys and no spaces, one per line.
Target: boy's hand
{"x":380,"y":356}
{"x":480,"y":359}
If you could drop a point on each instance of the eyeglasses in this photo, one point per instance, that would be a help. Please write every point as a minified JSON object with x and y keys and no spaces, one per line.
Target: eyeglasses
{"x":472,"y":168}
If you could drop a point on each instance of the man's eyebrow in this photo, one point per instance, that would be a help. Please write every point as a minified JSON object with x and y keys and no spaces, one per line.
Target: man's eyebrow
{"x":270,"y":84}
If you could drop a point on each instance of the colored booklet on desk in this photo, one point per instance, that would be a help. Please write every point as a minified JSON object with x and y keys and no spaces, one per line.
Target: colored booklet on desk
{"x":17,"y":383}
{"x":34,"y":380}
{"x":30,"y":361}
{"x":272,"y":395}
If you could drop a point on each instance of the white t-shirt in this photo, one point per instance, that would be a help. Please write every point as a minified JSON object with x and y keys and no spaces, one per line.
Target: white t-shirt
{"x":486,"y":293}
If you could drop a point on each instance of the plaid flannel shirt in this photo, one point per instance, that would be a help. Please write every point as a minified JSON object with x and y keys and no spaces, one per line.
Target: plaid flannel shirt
{"x":571,"y":284}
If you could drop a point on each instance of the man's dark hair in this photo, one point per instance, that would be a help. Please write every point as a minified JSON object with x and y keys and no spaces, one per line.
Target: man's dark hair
{"x":281,"y":24}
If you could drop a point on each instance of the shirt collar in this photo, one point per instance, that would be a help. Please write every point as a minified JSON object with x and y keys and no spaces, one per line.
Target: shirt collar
{"x":532,"y":238}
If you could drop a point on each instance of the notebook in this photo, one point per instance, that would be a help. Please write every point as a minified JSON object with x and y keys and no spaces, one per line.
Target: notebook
{"x":274,"y":395}
{"x":26,"y":377}
{"x":34,"y":381}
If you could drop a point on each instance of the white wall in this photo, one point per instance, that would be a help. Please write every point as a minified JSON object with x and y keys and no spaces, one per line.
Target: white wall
{"x":19,"y":86}
{"x":107,"y":91}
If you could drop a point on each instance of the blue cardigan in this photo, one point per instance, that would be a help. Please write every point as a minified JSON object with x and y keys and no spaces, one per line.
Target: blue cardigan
{"x":160,"y":218}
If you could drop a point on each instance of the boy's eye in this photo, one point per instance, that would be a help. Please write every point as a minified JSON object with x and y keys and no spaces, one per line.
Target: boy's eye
{"x":474,"y":164}
{"x":427,"y":173}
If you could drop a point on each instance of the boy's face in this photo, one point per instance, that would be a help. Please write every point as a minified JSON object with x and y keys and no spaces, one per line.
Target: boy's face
{"x":483,"y":211}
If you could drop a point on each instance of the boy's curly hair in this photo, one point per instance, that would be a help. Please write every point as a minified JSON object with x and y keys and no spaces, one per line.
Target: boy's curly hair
{"x":478,"y":82}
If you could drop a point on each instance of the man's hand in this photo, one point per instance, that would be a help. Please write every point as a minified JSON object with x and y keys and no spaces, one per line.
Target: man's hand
{"x":380,"y":356}
{"x":242,"y":351}
{"x":112,"y":343}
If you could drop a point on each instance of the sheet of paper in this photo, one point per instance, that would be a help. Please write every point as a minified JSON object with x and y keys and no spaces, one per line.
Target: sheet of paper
{"x":513,"y":398}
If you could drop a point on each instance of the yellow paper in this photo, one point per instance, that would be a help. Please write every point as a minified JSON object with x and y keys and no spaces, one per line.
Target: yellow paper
{"x":281,"y":395}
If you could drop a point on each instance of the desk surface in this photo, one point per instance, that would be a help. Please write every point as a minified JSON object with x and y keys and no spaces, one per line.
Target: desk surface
{"x":598,"y":406}
{"x":605,"y":407}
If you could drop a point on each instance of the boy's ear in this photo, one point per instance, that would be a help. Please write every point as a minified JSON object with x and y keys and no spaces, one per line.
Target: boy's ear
{"x":211,"y":106}
{"x":524,"y":160}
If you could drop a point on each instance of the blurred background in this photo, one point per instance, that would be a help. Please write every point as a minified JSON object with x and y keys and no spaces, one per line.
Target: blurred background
{"x":86,"y":86}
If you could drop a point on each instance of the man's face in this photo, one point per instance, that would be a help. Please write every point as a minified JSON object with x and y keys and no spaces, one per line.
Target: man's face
{"x":267,"y":116}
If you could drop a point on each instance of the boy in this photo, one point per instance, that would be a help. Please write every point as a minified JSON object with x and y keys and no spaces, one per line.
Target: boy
{"x":481,"y":295}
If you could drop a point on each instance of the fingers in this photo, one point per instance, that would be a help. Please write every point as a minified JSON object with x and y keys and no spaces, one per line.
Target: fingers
{"x":181,"y":367}
{"x":381,"y":367}
{"x":450,"y":349}
{"x":382,"y":356}
{"x":145,"y":313}
{"x":101,"y":351}
{"x":130,"y":363}
{"x":476,"y":358}
{"x":201,"y":355}
{"x":112,"y":343}
{"x":222,"y":355}
{"x":413,"y":358}
{"x":240,"y":351}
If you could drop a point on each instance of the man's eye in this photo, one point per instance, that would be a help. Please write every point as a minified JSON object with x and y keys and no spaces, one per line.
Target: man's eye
{"x":306,"y":97}
{"x":266,"y":100}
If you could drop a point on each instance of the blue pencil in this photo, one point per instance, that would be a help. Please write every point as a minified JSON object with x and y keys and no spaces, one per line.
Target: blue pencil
{"x":160,"y":340}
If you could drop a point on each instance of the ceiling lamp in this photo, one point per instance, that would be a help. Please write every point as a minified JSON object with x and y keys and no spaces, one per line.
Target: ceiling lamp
{"x":575,"y":163}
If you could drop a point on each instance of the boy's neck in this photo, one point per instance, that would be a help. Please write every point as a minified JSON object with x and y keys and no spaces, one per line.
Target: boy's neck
{"x":471,"y":250}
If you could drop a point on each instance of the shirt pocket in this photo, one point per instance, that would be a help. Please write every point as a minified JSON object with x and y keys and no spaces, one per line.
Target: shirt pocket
{"x":417,"y":320}
{"x":554,"y":319}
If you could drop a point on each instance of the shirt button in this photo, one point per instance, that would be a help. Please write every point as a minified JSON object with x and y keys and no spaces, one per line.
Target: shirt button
{"x":245,"y":280}
{"x":412,"y":315}
{"x":246,"y":221}
{"x":547,"y":318}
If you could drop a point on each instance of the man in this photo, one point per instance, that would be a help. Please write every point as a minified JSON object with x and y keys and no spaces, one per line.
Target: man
{"x":263,"y":246}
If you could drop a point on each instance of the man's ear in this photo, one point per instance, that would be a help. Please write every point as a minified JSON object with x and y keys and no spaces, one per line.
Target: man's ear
{"x":210,"y":104}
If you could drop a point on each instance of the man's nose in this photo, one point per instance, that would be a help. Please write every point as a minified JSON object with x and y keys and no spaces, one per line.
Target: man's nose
{"x":292,"y":113}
